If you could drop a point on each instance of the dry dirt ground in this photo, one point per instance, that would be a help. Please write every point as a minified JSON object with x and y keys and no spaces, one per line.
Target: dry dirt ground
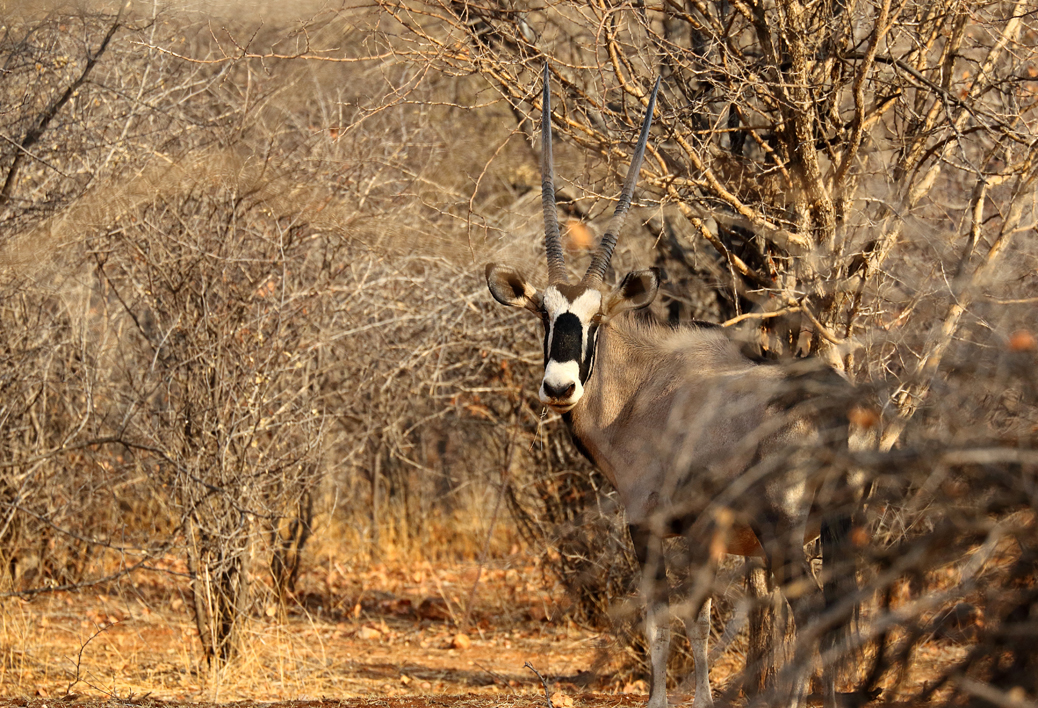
{"x":386,"y":635}
{"x":387,"y":631}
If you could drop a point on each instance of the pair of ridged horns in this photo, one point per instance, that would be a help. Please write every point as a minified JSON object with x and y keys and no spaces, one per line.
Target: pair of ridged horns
{"x":552,"y":239}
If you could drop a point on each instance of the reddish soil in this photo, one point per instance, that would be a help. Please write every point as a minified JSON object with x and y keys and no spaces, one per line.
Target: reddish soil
{"x":372,"y":634}
{"x":467,"y":700}
{"x":382,"y":636}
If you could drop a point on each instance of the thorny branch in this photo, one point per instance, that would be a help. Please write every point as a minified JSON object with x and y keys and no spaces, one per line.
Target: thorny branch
{"x":41,"y":124}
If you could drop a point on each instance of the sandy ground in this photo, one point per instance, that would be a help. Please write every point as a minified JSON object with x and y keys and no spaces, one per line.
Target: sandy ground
{"x":390,"y":632}
{"x":385,"y":635}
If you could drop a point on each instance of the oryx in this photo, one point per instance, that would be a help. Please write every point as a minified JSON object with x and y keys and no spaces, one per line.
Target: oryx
{"x":695,"y":437}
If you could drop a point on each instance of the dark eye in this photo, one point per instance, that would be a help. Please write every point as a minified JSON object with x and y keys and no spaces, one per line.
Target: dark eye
{"x":597,"y":318}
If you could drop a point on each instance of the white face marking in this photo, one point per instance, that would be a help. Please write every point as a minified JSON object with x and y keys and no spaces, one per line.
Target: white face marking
{"x":554,"y":302}
{"x":584,"y":307}
{"x":560,"y":375}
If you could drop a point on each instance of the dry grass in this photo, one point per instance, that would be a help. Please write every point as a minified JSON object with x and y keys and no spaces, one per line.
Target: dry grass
{"x":354,"y":630}
{"x":383,"y":628}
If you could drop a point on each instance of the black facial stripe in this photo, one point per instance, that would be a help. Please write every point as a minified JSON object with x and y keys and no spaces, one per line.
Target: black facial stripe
{"x":588,"y":362}
{"x":567,"y":338}
{"x":547,"y":334}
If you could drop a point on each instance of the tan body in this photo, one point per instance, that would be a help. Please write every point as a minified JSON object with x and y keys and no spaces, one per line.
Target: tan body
{"x":653,"y":404}
{"x":678,"y":420}
{"x":673,"y":404}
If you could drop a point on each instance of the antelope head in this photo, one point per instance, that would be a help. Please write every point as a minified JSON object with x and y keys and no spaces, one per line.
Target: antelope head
{"x":572,"y":313}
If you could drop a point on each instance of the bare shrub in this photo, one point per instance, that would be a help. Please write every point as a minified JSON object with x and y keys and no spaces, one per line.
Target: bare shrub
{"x":216,"y":366}
{"x":854,"y":182}
{"x":65,"y":493}
{"x":242,"y":340}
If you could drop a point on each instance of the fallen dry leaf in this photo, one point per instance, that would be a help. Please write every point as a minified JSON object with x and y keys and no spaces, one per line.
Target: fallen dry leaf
{"x":561,"y":700}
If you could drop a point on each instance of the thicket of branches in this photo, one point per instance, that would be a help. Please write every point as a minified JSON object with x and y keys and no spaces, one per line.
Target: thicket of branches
{"x":234,"y":317}
{"x":854,"y":181}
{"x":242,"y":262}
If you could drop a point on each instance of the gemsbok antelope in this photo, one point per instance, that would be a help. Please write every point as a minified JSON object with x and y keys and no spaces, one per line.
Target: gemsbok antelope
{"x":695,"y":437}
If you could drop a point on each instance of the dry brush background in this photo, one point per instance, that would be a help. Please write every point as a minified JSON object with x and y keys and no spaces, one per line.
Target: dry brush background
{"x":243,"y":316}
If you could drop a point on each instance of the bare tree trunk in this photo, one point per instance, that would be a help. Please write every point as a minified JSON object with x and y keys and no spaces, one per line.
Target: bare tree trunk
{"x":376,"y":515}
{"x":287,"y":539}
{"x":219,"y":582}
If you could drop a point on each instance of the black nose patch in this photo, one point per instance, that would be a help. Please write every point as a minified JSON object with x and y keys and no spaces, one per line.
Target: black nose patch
{"x":567,"y":338}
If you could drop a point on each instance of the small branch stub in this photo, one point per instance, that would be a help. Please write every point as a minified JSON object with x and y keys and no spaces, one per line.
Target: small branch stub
{"x":544,"y":682}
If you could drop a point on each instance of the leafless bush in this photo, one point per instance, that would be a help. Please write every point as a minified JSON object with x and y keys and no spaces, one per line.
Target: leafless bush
{"x":62,"y":499}
{"x":224,"y":326}
{"x":216,"y":364}
{"x":855,"y":182}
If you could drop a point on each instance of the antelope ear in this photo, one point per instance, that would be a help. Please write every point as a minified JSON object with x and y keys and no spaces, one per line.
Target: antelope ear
{"x":637,"y":290}
{"x":509,"y":287}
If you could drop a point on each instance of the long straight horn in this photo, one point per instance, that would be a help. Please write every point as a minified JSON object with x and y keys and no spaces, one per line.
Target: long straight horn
{"x":600,"y":261}
{"x":552,"y":240}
